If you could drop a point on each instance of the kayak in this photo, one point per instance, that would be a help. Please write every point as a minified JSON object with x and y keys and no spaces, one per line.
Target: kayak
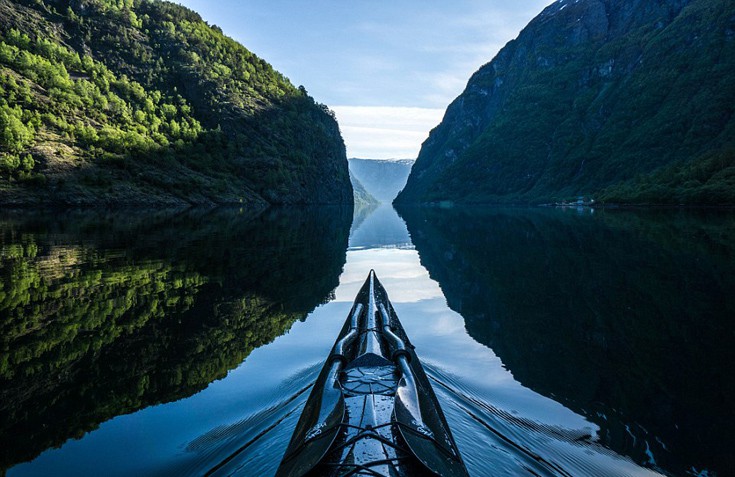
{"x":372,"y":410}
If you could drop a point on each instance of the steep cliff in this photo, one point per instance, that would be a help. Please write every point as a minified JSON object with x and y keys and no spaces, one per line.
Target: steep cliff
{"x":141,"y":101}
{"x":623,"y":100}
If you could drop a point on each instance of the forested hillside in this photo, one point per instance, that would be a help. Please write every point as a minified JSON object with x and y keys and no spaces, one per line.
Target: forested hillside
{"x":141,"y":101}
{"x":624,"y":101}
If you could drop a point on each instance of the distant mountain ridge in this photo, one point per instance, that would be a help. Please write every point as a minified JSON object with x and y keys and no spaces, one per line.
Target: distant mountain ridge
{"x":621,"y":100}
{"x":122,"y":102}
{"x":382,"y":178}
{"x":363,"y":198}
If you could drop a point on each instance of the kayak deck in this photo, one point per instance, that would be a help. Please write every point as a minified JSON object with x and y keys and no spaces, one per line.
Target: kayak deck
{"x":372,"y":410}
{"x":367,"y":443}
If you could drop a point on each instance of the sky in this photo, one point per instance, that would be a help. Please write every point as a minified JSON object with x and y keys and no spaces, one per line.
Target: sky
{"x":388,"y":68}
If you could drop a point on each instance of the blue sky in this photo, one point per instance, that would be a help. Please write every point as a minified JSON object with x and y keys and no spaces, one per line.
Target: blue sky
{"x":387,"y":68}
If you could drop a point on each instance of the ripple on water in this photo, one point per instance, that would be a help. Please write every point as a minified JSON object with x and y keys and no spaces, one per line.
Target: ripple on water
{"x":256,"y":441}
{"x":507,"y":443}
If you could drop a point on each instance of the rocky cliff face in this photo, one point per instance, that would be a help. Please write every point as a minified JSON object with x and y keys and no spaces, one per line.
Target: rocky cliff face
{"x":595,"y":97}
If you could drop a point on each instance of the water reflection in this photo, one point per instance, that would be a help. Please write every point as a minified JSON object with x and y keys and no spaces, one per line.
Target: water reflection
{"x":105,"y":313}
{"x":379,"y":228}
{"x":624,"y":317}
{"x":564,"y":331}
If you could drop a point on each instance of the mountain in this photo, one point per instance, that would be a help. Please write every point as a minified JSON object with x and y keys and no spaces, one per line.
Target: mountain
{"x":363,"y":198}
{"x":619,"y":100}
{"x":142,"y":102}
{"x":383,"y":178}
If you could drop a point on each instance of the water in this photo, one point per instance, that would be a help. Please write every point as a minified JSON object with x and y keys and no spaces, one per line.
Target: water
{"x":559,"y":342}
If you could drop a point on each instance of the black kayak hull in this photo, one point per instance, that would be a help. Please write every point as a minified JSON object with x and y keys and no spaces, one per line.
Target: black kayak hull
{"x":372,"y":410}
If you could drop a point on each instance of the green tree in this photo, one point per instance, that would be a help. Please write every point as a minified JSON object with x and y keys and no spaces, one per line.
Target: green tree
{"x":15,"y":136}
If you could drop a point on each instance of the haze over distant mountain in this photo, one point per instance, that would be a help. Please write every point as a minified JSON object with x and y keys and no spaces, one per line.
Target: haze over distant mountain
{"x":142,"y":102}
{"x":382,"y":178}
{"x":621,"y":100}
{"x":363,"y":198}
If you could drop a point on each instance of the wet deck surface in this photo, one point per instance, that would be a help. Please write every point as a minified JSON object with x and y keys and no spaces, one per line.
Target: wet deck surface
{"x":368,"y":443}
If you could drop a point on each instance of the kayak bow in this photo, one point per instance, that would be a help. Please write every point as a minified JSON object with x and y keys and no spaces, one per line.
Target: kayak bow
{"x":372,"y":410}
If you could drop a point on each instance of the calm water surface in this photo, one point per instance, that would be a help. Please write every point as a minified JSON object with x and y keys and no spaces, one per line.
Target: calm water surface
{"x":559,"y":342}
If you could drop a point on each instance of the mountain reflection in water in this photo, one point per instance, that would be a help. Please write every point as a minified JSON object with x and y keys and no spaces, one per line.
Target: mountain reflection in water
{"x":623,"y":316}
{"x":105,"y":313}
{"x":558,"y":343}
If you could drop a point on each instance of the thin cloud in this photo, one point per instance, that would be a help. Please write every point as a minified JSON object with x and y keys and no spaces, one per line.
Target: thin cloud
{"x":385,"y":132}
